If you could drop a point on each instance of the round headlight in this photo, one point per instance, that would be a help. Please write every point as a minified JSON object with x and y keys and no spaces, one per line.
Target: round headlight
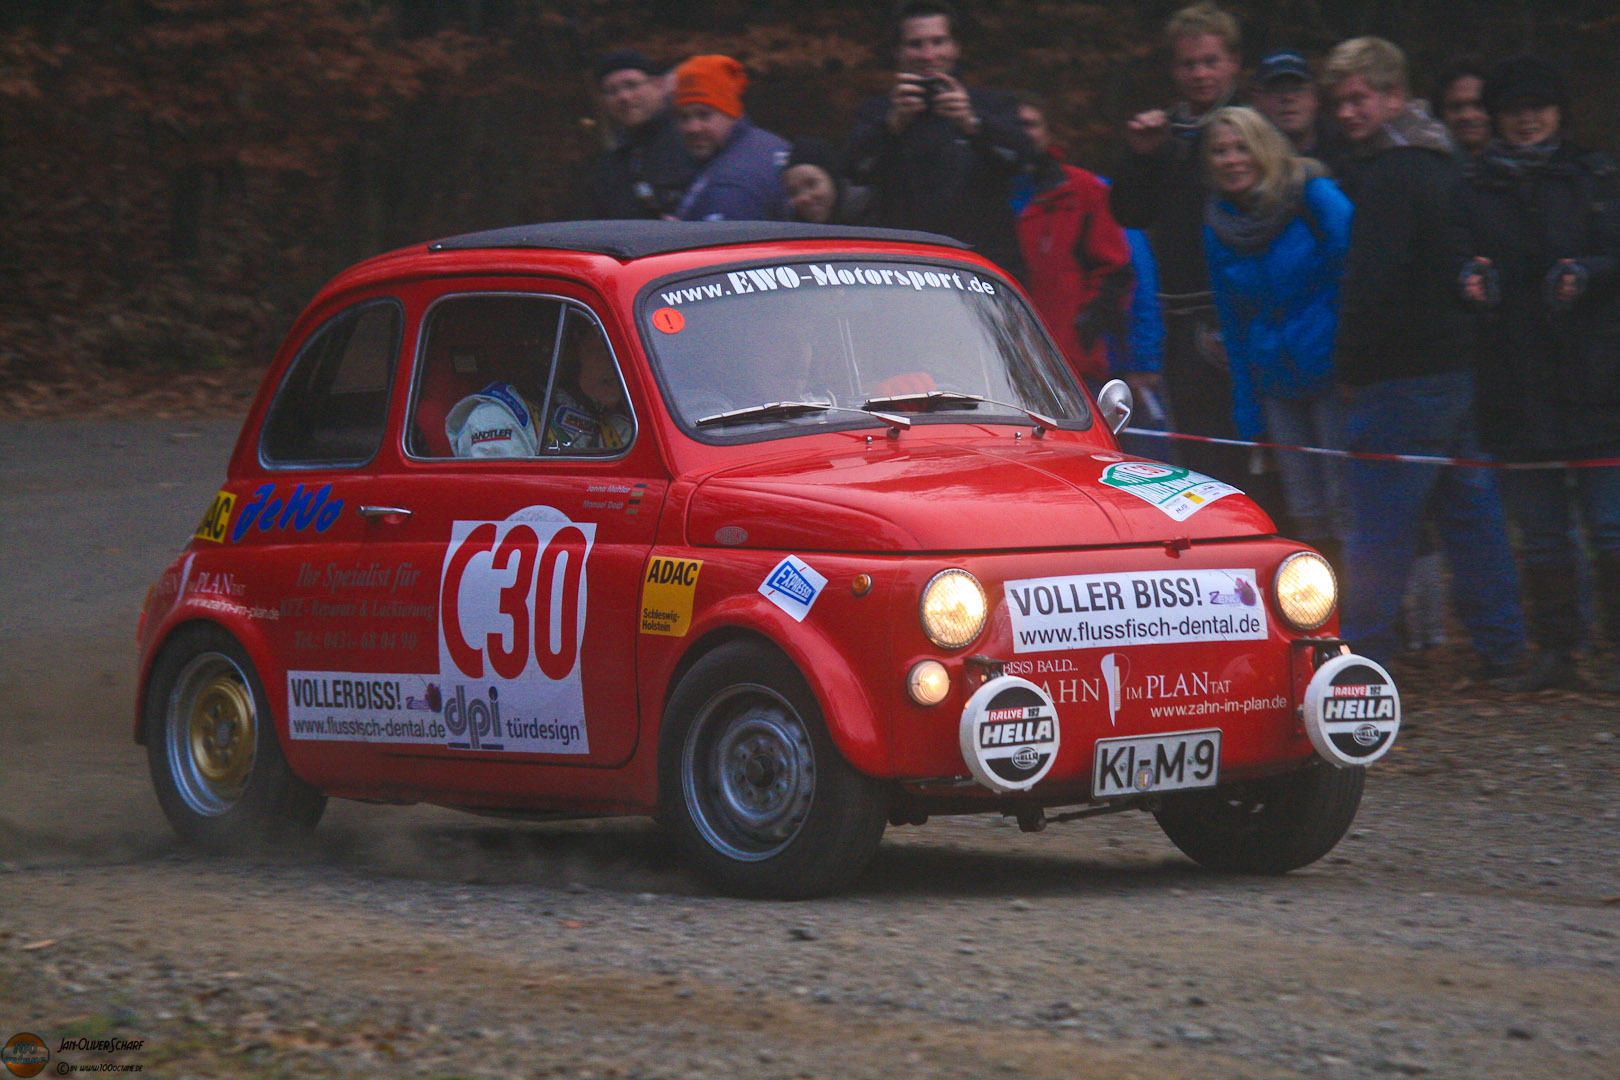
{"x":1306,"y":590}
{"x":953,"y":609}
{"x":928,"y":682}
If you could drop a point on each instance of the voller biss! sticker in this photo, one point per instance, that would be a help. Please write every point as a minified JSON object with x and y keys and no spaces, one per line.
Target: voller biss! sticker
{"x":1352,"y":710}
{"x":1178,"y":493}
{"x":1009,"y":734}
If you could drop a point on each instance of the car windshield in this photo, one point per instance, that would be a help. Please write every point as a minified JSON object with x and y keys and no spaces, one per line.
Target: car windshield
{"x":779,"y":348}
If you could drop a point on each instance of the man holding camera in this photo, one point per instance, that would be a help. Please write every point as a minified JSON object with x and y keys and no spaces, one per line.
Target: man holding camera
{"x":941,"y":156}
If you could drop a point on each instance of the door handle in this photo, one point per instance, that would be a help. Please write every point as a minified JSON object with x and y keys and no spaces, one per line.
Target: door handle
{"x":383,"y":513}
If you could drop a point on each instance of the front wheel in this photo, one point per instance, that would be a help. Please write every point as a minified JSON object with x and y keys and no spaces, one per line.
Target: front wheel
{"x":212,"y":748}
{"x":751,"y":787}
{"x":1267,"y":826}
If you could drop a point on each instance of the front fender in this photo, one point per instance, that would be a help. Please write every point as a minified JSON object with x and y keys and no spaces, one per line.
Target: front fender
{"x":834,"y":674}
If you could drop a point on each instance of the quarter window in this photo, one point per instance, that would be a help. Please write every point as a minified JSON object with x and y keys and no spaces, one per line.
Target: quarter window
{"x":333,"y":404}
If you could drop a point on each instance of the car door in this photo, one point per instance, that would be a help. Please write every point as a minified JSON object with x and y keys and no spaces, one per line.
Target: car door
{"x":522,"y":506}
{"x":298,"y":540}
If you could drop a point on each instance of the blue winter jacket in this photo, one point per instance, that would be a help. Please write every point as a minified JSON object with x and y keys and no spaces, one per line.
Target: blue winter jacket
{"x":1279,"y":307}
{"x":742,"y":182}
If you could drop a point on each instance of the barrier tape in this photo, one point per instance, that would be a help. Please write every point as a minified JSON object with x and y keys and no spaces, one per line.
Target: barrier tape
{"x":1364,"y":455}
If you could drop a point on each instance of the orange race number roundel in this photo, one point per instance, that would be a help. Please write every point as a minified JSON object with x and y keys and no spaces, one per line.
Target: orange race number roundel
{"x":25,"y":1055}
{"x":669,"y":320}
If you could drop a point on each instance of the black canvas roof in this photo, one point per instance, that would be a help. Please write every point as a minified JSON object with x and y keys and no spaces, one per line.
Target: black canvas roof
{"x":635,"y":239}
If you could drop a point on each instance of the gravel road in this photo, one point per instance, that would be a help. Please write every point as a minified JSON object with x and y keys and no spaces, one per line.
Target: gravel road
{"x":1468,"y":927}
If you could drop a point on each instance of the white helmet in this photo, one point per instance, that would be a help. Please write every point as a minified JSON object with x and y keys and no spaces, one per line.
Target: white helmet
{"x":493,"y":423}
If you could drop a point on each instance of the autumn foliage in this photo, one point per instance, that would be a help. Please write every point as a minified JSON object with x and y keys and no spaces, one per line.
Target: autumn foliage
{"x":178,"y":176}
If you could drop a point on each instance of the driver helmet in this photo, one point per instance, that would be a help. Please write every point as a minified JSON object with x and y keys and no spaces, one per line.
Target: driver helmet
{"x":495,"y":422}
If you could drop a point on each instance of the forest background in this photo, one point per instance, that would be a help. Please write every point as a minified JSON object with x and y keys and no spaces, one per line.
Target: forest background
{"x":177,"y":177}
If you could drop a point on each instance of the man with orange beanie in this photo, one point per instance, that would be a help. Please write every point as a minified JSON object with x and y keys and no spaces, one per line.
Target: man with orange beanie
{"x":739,"y":164}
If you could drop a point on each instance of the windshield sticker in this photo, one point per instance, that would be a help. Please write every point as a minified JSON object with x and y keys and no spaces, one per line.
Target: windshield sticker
{"x":1180,"y":493}
{"x":773,"y":278}
{"x":669,"y":320}
{"x":1095,"y":611}
{"x":666,"y":595}
{"x":793,"y":586}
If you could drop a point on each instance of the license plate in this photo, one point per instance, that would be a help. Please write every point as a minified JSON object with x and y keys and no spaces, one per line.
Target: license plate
{"x":1186,"y":759}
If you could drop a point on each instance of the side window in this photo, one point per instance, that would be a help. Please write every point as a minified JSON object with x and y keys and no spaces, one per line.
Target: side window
{"x":515,"y":376}
{"x":482,"y":376}
{"x":589,"y":412}
{"x":333,"y":404}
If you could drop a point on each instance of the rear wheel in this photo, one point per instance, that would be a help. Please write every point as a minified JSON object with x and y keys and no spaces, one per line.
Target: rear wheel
{"x":751,"y":787}
{"x":1267,"y":826}
{"x":212,"y":748}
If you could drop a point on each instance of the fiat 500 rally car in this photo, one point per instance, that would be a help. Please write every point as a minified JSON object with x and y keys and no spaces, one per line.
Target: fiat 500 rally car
{"x":779,"y":533}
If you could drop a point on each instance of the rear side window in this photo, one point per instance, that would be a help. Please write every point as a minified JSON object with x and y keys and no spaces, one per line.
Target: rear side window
{"x":333,"y":404}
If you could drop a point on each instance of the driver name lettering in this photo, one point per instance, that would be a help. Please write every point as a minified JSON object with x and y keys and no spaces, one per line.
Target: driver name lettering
{"x":774,"y":278}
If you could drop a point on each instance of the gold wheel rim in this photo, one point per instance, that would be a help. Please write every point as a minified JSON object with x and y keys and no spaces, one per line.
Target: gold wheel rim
{"x":222,"y":730}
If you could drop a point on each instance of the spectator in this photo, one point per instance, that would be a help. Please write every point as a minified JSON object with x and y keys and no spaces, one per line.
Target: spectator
{"x":1543,"y":221}
{"x":1160,"y":188}
{"x":648,"y":167}
{"x":940,"y":156}
{"x":1276,"y":231}
{"x":1459,"y":100}
{"x":816,"y":190}
{"x":1075,"y":255}
{"x":1285,"y":93}
{"x":741,"y":165}
{"x":1403,"y":352}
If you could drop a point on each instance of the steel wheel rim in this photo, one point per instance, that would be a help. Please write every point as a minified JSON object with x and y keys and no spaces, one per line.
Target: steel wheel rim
{"x":748,"y":772}
{"x":211,"y":734}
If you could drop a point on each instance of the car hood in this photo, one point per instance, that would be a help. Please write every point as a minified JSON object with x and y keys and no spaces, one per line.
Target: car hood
{"x":938,"y":495}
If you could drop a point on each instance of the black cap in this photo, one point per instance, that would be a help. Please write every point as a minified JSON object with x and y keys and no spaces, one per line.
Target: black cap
{"x":1281,"y":64}
{"x":622,"y":60}
{"x":1524,"y":78}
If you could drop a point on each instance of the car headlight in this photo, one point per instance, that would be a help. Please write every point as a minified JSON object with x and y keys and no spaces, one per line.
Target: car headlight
{"x":953,"y":609}
{"x":1306,"y":590}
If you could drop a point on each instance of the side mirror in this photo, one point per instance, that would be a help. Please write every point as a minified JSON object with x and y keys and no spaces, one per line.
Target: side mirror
{"x":1115,"y":402}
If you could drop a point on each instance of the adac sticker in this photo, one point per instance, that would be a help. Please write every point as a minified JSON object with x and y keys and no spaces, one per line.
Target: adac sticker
{"x":1178,"y":493}
{"x":666,"y":595}
{"x":1009,"y":734}
{"x":218,"y":518}
{"x":1352,"y":710}
{"x":793,"y":586}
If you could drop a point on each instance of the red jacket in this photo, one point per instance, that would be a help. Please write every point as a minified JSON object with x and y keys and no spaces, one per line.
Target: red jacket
{"x":1078,"y":264}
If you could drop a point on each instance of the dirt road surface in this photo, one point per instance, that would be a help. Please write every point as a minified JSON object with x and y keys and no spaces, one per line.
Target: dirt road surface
{"x":1468,"y":927}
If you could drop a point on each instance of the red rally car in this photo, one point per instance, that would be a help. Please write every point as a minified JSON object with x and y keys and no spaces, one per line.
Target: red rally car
{"x":780,"y":533}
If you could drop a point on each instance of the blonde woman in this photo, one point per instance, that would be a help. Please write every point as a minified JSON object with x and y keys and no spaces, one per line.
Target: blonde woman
{"x":1276,"y":230}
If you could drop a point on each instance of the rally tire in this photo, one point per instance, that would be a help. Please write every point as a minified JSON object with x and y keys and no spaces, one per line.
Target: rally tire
{"x":751,"y":788}
{"x":211,"y":745}
{"x":1267,"y":826}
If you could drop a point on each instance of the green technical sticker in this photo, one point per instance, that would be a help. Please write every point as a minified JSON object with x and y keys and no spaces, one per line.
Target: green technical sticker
{"x":1179,"y":493}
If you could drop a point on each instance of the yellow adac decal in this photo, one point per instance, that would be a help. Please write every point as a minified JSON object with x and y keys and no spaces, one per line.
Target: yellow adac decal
{"x":666,"y":595}
{"x":214,"y":523}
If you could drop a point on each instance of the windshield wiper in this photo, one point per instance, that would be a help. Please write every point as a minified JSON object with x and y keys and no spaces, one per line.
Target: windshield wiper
{"x":773,"y":409}
{"x":956,"y":399}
